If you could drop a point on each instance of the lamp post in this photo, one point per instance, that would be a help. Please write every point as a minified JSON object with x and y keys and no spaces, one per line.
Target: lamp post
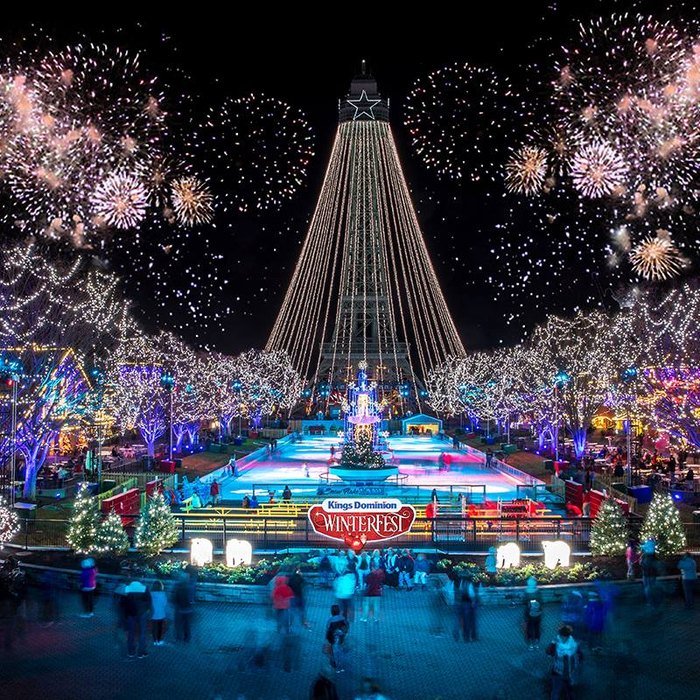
{"x":560,"y":379}
{"x":628,"y":376}
{"x":12,"y":371}
{"x":99,"y":379}
{"x":237,"y":386}
{"x":167,"y":380}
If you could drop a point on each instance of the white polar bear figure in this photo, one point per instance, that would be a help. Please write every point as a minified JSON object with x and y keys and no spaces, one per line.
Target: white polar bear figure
{"x":508,"y":555}
{"x":201,"y":552}
{"x":556,"y":553}
{"x":238,"y":552}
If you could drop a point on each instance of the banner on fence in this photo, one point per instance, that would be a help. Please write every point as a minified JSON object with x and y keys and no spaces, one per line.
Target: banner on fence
{"x":359,"y":521}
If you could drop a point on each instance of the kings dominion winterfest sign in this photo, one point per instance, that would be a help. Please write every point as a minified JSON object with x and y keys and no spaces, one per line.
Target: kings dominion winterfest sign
{"x":358,"y":521}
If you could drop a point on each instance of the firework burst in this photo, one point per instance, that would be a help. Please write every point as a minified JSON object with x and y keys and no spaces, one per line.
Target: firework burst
{"x":526,"y":170}
{"x":257,"y":150}
{"x":598,"y":170}
{"x":192,"y":201}
{"x":120,"y":201}
{"x":457,"y":117}
{"x":657,"y":258}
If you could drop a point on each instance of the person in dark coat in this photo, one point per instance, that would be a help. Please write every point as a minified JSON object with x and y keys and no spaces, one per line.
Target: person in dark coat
{"x":136,"y":603}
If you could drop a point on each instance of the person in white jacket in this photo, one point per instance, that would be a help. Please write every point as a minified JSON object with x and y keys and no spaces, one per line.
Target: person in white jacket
{"x":566,"y":660}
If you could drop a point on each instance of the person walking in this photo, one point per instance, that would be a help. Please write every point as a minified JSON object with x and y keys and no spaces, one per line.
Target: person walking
{"x":344,"y":587}
{"x":572,"y":610}
{"x":159,"y":603}
{"x":287,"y":494}
{"x":533,"y":613}
{"x":422,"y":569}
{"x":371,"y":602}
{"x":362,"y":570}
{"x":689,"y":576}
{"x":649,"y":565}
{"x":214,"y":492}
{"x":566,"y":660}
{"x":406,"y":567}
{"x":370,"y":691}
{"x":323,"y":688}
{"x":88,"y":584}
{"x":136,"y":604}
{"x":491,"y":566}
{"x":465,"y":608}
{"x":282,"y":596}
{"x":337,"y":629}
{"x":631,"y":558}
{"x":298,"y":604}
{"x":183,"y":602}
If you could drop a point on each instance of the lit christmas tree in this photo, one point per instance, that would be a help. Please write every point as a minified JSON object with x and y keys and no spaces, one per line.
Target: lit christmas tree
{"x":9,"y":524}
{"x":609,"y":534}
{"x":111,"y":537}
{"x":83,"y":524}
{"x":157,"y":529}
{"x":361,"y":455}
{"x":662,"y":524}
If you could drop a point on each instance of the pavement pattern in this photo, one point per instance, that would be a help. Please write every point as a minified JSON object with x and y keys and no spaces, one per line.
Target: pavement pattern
{"x":236,"y":654}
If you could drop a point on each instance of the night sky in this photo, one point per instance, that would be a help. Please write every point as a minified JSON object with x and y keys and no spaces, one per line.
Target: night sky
{"x":241,"y":265}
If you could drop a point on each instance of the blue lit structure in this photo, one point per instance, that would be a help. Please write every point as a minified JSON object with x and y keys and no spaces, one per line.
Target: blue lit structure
{"x":362,"y":410}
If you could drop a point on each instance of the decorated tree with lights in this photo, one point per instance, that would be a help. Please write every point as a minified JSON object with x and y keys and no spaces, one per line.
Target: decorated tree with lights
{"x":583,"y":352}
{"x":138,"y":395}
{"x":190,"y":402}
{"x":610,"y":532}
{"x":56,"y":317}
{"x":84,"y":522}
{"x":157,"y":529}
{"x":9,"y":523}
{"x":267,"y":384}
{"x":111,"y":537}
{"x":662,"y":523}
{"x":220,"y":389}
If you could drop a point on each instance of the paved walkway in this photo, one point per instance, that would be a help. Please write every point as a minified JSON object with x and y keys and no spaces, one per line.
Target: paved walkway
{"x":648,"y":654}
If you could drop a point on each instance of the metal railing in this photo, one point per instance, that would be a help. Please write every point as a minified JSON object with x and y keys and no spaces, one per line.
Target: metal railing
{"x":127,"y":484}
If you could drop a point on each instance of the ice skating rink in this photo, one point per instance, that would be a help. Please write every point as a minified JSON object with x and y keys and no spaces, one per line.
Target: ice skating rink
{"x":417,"y":458}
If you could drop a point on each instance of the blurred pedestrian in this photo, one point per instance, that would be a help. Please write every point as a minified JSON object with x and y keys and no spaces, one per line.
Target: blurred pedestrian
{"x":689,"y":577}
{"x":136,"y":604}
{"x":298,"y":603}
{"x":183,"y":602}
{"x":566,"y":660}
{"x":282,"y":596}
{"x":215,"y":492}
{"x":406,"y":567}
{"x":49,"y":597}
{"x":572,"y":610}
{"x":371,"y":602}
{"x":159,"y":603}
{"x":595,"y":614}
{"x":465,"y":608}
{"x":337,"y":629}
{"x":490,"y":566}
{"x":323,"y":688}
{"x":533,"y":613}
{"x":344,"y":587}
{"x":88,"y":584}
{"x":422,"y":569}
{"x":362,"y":570}
{"x":631,"y":558}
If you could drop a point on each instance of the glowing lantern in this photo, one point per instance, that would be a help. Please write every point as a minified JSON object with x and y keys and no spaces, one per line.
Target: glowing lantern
{"x":556,"y":554}
{"x":201,"y":552}
{"x":238,"y":552}
{"x":508,"y":555}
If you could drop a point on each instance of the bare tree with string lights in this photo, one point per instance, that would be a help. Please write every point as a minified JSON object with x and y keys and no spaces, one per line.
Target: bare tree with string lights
{"x":57,"y":319}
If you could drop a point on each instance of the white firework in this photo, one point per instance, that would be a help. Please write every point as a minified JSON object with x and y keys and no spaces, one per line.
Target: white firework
{"x":657,"y":258}
{"x":598,"y":170}
{"x":120,"y":201}
{"x":526,"y":170}
{"x":192,"y":201}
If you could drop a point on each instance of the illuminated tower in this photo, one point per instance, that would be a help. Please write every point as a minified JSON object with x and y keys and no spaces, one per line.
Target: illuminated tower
{"x":364,"y":288}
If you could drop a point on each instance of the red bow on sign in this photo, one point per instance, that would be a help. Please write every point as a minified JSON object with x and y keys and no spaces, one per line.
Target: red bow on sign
{"x":355,"y":543}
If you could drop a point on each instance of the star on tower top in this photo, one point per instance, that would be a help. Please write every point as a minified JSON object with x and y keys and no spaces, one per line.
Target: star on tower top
{"x":363,"y":106}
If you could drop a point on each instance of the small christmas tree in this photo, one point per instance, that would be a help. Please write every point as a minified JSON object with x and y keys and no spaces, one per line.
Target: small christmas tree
{"x":361,"y":455}
{"x":610,"y":533}
{"x":157,"y":529}
{"x":662,"y":524}
{"x":111,"y":537}
{"x":82,"y":527}
{"x":9,"y":524}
